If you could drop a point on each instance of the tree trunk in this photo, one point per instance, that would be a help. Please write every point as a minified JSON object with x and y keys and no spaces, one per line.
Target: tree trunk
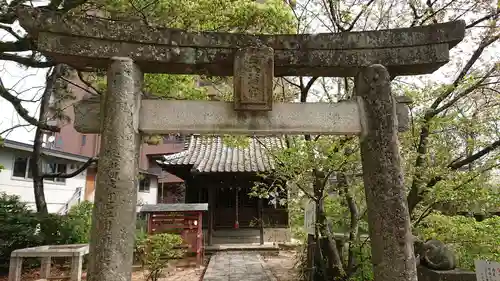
{"x":326,"y":244}
{"x":354,"y":221}
{"x":36,"y":163}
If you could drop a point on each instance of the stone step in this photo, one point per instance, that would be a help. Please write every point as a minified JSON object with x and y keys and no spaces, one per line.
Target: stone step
{"x":236,"y":233}
{"x":235,"y":240}
{"x":267,"y":248}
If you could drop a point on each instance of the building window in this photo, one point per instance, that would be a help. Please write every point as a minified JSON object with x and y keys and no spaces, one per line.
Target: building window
{"x":22,"y":168}
{"x":55,"y":168}
{"x":144,"y":184}
{"x":84,"y":140}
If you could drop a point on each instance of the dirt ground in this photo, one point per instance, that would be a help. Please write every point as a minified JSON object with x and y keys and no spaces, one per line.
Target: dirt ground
{"x":283,"y":267}
{"x":177,"y":274}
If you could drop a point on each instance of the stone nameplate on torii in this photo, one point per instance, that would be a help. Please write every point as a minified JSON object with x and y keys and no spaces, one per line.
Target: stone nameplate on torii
{"x":129,"y":49}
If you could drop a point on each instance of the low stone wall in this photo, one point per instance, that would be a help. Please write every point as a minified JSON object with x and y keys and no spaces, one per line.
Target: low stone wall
{"x":425,"y":274}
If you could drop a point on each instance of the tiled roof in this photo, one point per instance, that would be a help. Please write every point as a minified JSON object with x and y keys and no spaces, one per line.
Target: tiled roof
{"x":212,"y":154}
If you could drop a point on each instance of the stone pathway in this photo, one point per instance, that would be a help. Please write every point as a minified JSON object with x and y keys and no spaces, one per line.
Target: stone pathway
{"x":237,"y":266}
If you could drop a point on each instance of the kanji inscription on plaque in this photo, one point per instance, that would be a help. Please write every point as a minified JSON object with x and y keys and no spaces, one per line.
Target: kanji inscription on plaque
{"x":253,"y":79}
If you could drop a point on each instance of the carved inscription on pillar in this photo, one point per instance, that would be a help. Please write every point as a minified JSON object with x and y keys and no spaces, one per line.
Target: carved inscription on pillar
{"x":253,"y":79}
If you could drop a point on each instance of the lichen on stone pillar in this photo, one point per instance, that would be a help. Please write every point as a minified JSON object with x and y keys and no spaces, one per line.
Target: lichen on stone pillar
{"x":388,"y":217}
{"x":114,"y":214}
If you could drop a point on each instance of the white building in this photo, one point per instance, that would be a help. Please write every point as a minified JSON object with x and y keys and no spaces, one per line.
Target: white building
{"x":15,"y":177}
{"x":60,"y":194}
{"x":147,"y":190}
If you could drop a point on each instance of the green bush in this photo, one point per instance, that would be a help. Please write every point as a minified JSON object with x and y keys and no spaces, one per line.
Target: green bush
{"x":155,"y":251}
{"x":469,"y":238}
{"x":19,"y":228}
{"x":79,"y":222}
{"x":22,"y":228}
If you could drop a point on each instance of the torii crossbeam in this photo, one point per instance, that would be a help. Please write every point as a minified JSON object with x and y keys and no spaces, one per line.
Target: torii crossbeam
{"x":128,"y":50}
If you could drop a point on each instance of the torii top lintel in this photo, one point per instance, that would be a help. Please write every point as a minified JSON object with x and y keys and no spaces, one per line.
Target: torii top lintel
{"x":88,"y":43}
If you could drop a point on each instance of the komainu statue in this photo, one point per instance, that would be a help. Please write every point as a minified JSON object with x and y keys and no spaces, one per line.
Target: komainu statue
{"x":434,"y":254}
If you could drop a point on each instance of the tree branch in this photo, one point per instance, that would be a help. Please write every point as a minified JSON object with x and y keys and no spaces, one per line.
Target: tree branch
{"x":358,"y":16}
{"x":416,"y":17}
{"x":415,"y":197}
{"x":72,"y":174}
{"x":13,"y":128}
{"x":10,"y":31}
{"x":485,"y":18}
{"x":88,"y":84}
{"x":310,"y":83}
{"x":475,"y":56}
{"x":464,"y":93}
{"x":434,"y":13}
{"x":291,"y":83}
{"x":23,"y":112}
{"x":455,"y":165}
{"x":76,"y":85}
{"x":29,"y":62}
{"x":332,"y":15}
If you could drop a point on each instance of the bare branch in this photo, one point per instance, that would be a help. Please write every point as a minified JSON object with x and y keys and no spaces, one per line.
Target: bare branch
{"x":455,"y":165}
{"x":358,"y":16}
{"x":310,"y":83}
{"x":464,"y":93}
{"x":88,"y":84}
{"x":475,"y":56}
{"x":14,"y":127}
{"x":416,"y":196}
{"x":434,"y":13}
{"x":23,"y":112}
{"x":10,"y":31}
{"x":416,"y":17}
{"x":29,"y":62}
{"x":485,"y":18}
{"x":292,"y":83}
{"x":72,"y":174}
{"x":76,"y":85}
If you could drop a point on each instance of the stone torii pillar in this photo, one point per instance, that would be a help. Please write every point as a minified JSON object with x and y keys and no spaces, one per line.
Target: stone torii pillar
{"x":114,"y":214}
{"x":388,"y":218}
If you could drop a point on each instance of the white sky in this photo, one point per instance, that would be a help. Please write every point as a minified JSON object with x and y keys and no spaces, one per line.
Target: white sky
{"x":30,"y":81}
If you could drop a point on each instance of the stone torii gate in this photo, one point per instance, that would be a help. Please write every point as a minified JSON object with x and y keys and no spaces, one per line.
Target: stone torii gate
{"x":128,"y":50}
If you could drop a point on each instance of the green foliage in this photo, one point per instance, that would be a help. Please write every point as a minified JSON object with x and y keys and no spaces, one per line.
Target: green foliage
{"x":245,"y":16}
{"x":79,"y":220}
{"x":19,"y":228}
{"x":174,"y":86}
{"x":206,"y":15}
{"x":155,"y":251}
{"x":469,"y":238}
{"x":22,"y":228}
{"x":362,"y":254}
